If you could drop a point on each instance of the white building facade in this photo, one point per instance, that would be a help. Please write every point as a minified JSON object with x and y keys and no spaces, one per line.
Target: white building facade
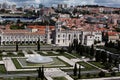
{"x":21,"y":36}
{"x":64,"y":37}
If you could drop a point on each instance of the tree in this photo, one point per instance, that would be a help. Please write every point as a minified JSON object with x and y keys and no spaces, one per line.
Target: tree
{"x":113,"y":73}
{"x":81,"y":49}
{"x":87,"y":50}
{"x":38,"y":44}
{"x":116,"y":61}
{"x":70,"y":48}
{"x":98,"y":56}
{"x":110,"y":60}
{"x":75,"y":70}
{"x":107,"y":65}
{"x":106,"y":44}
{"x":101,"y":74}
{"x":39,"y":72}
{"x":104,"y":56}
{"x":42,"y":73}
{"x":28,"y":77}
{"x":110,"y":44}
{"x":75,"y":44}
{"x":16,"y":46}
{"x":105,"y":37}
{"x":18,"y":21}
{"x":92,"y":50}
{"x":88,"y":75}
{"x":79,"y":74}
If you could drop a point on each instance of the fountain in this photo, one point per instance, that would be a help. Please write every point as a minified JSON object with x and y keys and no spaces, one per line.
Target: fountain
{"x":39,"y":59}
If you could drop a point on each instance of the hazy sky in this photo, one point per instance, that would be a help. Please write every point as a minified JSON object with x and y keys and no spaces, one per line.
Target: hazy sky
{"x":115,"y":3}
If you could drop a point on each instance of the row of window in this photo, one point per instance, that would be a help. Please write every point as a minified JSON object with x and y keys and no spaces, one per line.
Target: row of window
{"x":59,"y":41}
{"x":14,"y":37}
{"x":70,"y":36}
{"x":20,"y":40}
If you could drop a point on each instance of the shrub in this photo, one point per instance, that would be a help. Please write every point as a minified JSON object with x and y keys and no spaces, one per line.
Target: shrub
{"x":101,"y":74}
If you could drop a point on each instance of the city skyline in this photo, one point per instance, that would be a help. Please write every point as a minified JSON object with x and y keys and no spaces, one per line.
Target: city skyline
{"x":110,"y":3}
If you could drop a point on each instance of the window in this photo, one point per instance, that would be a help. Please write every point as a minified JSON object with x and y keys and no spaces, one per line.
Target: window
{"x":58,"y":41}
{"x":74,"y":35}
{"x":58,"y":29}
{"x":79,"y":37}
{"x":63,"y":35}
{"x":69,"y":37}
{"x":58,"y":36}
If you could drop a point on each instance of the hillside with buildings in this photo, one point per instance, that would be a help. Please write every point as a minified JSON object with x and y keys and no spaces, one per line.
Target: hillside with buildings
{"x":59,"y":43}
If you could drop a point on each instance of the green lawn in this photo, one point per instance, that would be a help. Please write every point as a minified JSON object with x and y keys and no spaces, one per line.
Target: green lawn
{"x":69,"y":56}
{"x":24,"y":78}
{"x":2,"y":68}
{"x":0,"y":58}
{"x":76,"y":55}
{"x":59,"y":78}
{"x":17,"y":65}
{"x":87,"y":66}
{"x":10,"y":54}
{"x":97,"y":64}
{"x":20,"y":54}
{"x":56,"y":63}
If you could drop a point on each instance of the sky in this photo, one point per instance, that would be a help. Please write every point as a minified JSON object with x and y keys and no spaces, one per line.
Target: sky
{"x":111,"y":3}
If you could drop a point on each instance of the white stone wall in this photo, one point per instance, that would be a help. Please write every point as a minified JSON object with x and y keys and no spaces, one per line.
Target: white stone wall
{"x":89,"y":40}
{"x":62,"y":38}
{"x":11,"y":38}
{"x":97,"y":36}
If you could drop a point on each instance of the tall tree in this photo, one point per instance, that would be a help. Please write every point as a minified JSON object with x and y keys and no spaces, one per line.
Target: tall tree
{"x":116,"y":62}
{"x":110,"y":60}
{"x":39,"y":72}
{"x":98,"y":56}
{"x":104,"y":56}
{"x":42,"y":73}
{"x":70,"y":48}
{"x":38,"y":44}
{"x":75,"y":44}
{"x":92,"y":50}
{"x":16,"y":46}
{"x":79,"y":74}
{"x":106,"y":44}
{"x":87,"y":50}
{"x":75,"y":70}
{"x":106,"y":37}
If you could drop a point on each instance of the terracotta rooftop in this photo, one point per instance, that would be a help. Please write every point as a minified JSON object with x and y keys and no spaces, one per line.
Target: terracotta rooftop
{"x":112,"y":33}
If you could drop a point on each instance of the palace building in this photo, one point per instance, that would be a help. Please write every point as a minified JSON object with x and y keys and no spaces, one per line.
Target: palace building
{"x":65,"y":36}
{"x":8,"y":36}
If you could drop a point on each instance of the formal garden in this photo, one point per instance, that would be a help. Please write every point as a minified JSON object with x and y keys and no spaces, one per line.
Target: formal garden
{"x":78,"y":61}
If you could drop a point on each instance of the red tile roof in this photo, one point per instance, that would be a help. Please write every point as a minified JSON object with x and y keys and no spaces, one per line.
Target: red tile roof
{"x":112,"y":33}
